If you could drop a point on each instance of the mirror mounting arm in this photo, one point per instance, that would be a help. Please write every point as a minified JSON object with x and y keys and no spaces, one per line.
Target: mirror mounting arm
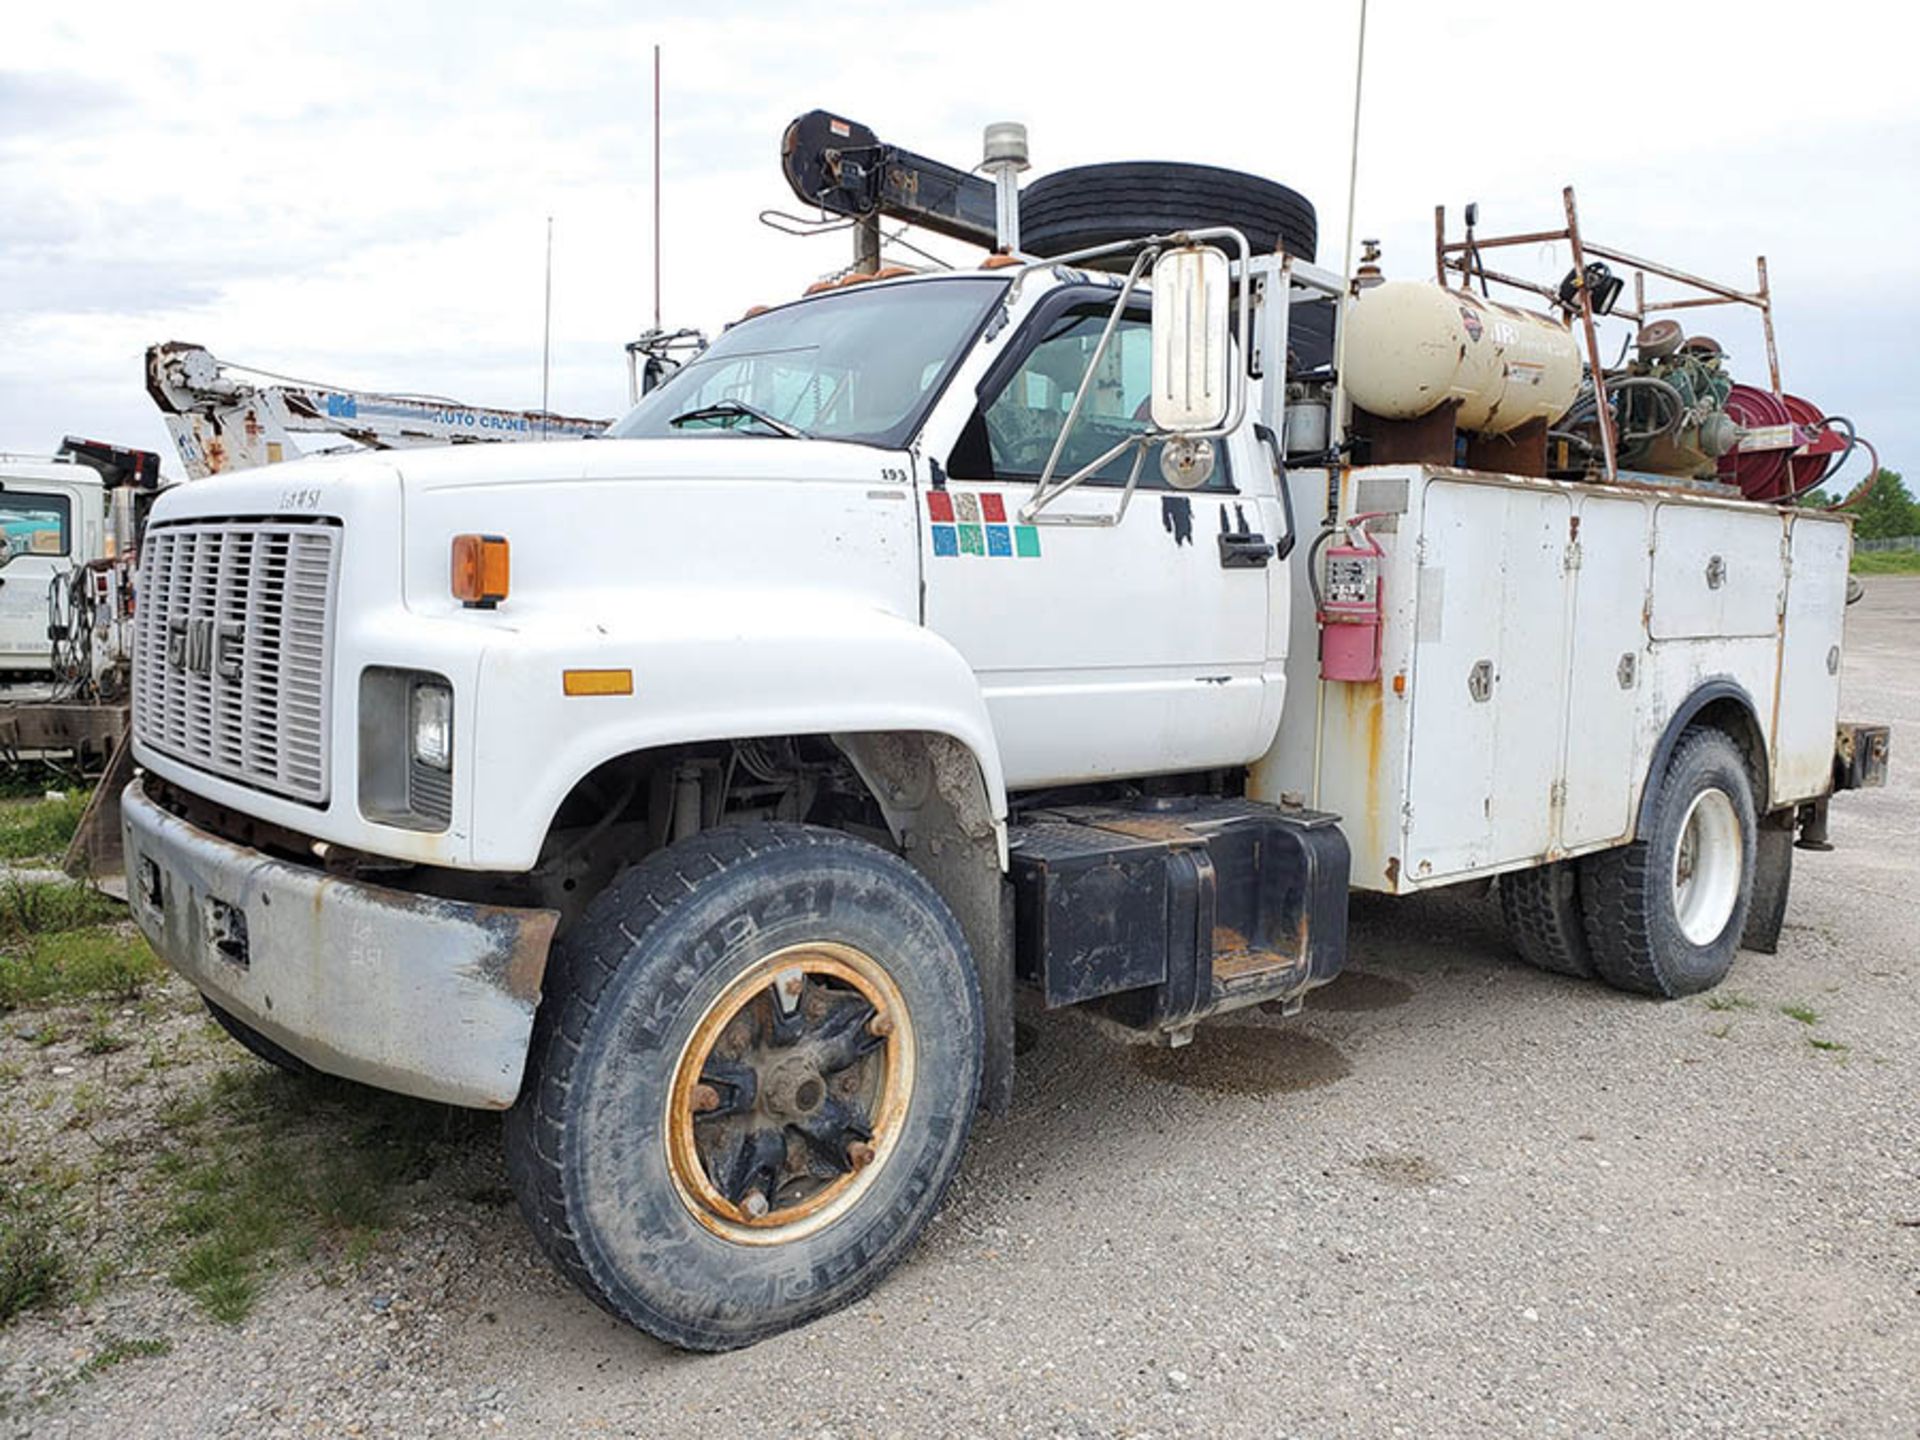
{"x":1047,"y":489}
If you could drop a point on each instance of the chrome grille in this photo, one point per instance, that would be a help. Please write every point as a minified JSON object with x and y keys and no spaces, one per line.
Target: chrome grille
{"x":232,"y":641}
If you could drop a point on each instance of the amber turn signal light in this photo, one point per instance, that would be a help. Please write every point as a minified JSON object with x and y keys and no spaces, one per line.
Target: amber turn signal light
{"x":597,"y":682}
{"x":479,"y":570}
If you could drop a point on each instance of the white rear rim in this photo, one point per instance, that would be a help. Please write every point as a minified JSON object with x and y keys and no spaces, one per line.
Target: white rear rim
{"x":1706,"y":867}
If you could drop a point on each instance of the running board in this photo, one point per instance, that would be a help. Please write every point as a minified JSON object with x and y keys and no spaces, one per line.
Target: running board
{"x":1173,"y":910}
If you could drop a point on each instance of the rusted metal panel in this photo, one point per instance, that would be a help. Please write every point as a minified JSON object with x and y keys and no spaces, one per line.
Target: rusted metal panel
{"x":411,"y":993}
{"x":88,"y":729}
{"x":1860,"y":755}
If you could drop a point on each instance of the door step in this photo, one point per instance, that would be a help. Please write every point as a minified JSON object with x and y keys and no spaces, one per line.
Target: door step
{"x":1171,"y":910}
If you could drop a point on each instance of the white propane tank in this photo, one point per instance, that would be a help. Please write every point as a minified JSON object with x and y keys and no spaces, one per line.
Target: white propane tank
{"x":1413,"y":345}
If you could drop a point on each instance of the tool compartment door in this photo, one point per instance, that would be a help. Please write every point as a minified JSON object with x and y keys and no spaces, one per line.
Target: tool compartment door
{"x":1716,"y":572}
{"x":1810,"y":659}
{"x":1489,"y":677}
{"x":1607,"y":674}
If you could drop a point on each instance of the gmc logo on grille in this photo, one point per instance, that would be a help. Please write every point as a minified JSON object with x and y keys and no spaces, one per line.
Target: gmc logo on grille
{"x":199,"y":647}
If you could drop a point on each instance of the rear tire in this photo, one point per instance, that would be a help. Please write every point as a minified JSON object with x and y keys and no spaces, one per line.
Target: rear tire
{"x":1664,"y":914}
{"x":259,"y":1044}
{"x":714,"y":1163}
{"x":1091,"y":205}
{"x":1542,"y":909}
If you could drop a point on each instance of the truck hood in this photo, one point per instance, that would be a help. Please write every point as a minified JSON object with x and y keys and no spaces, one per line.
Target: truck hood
{"x":601,"y":522}
{"x":292,"y":487}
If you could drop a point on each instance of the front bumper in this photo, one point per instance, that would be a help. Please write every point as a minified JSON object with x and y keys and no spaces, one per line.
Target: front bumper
{"x":411,"y":993}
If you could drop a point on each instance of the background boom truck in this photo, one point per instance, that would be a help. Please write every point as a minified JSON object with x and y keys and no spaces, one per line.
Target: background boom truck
{"x":70,"y":527}
{"x":702,"y":795}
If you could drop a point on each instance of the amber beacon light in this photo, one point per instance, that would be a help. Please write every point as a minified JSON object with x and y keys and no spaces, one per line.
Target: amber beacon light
{"x":479,"y":570}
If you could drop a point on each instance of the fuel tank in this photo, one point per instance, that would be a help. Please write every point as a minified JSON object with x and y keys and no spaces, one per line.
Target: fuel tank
{"x":1412,"y":346}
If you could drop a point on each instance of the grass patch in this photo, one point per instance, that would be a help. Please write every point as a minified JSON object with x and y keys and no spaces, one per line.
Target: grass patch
{"x":68,"y":964}
{"x":260,"y":1164}
{"x":118,"y":1348}
{"x":1829,"y":1045}
{"x":33,"y":1266}
{"x":37,"y":829}
{"x":1727,"y":1000}
{"x":41,"y":907}
{"x":1805,"y":1014}
{"x":101,"y":1039}
{"x":1886,"y":562}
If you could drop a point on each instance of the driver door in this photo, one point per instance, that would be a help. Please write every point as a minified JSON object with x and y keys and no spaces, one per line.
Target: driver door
{"x":1139,"y":648}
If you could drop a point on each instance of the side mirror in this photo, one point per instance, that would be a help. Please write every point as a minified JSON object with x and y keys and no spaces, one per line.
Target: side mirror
{"x":1192,"y":356}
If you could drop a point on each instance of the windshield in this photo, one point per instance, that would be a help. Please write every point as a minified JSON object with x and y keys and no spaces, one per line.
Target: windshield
{"x":861,"y":364}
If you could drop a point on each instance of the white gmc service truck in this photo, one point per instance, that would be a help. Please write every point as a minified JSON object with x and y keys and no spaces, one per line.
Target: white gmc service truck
{"x":701,"y":795}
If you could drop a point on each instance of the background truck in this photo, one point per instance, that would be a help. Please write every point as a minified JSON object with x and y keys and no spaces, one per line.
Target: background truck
{"x":69,"y":529}
{"x":1089,"y":625}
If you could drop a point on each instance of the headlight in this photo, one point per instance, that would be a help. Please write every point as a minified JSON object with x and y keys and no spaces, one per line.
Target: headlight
{"x":432,"y":706}
{"x":406,"y":748}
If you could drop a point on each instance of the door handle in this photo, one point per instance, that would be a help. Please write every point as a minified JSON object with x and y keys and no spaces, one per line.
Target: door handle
{"x":1244,"y":552}
{"x":1264,"y":434}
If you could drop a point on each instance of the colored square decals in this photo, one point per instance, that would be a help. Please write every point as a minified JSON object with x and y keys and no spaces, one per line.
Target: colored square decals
{"x":940,"y":506}
{"x":945,"y":542}
{"x":999,"y":540}
{"x":993,"y":509}
{"x":972,"y":542}
{"x":969,"y":506}
{"x":1026,"y":541}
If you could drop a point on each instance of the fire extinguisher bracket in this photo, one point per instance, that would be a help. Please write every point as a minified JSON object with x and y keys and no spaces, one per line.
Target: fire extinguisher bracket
{"x":1351,"y":612}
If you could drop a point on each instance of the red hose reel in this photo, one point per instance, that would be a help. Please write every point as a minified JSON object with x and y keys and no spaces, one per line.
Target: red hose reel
{"x":1785,"y":447}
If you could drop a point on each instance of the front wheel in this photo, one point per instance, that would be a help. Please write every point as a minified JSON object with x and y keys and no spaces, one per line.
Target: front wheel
{"x":751,"y":1081}
{"x":1664,"y":915}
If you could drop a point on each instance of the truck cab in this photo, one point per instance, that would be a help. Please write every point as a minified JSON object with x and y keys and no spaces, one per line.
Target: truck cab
{"x":52,"y":517}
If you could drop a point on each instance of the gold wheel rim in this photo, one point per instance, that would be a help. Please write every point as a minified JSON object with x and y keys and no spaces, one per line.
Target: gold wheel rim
{"x":811,"y":1047}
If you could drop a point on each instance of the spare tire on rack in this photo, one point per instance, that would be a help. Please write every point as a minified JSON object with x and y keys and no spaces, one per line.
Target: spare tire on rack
{"x":1091,"y":205}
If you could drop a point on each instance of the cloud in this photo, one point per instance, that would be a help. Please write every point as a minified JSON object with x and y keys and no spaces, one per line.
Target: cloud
{"x":360,"y":191}
{"x":42,"y":103}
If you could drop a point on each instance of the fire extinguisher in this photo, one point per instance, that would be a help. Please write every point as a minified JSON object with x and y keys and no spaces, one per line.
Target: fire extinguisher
{"x":1349,"y":607}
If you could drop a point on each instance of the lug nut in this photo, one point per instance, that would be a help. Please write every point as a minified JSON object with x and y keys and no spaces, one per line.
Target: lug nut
{"x":755,"y":1204}
{"x":704,"y":1098}
{"x":859,"y":1154}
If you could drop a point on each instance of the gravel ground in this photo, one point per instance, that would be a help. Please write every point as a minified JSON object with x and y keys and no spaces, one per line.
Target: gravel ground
{"x":1455,"y":1196}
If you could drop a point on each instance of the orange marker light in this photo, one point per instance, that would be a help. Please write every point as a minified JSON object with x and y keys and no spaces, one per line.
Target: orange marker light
{"x":597,"y":682}
{"x":479,"y":570}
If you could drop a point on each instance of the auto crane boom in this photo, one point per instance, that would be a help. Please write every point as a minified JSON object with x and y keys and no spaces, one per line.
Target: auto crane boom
{"x":220,"y":421}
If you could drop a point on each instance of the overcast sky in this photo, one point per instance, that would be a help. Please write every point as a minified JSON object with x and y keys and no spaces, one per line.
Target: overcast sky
{"x":358,"y":192}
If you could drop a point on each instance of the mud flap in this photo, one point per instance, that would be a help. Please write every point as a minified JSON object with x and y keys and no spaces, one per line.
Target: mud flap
{"x":95,"y":852}
{"x":1772,"y":877}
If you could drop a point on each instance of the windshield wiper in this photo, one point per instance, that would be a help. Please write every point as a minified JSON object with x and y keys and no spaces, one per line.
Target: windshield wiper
{"x":720,"y":409}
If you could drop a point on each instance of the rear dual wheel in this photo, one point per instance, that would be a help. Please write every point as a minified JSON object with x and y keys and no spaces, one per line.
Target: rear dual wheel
{"x":1664,"y":914}
{"x":751,"y":1080}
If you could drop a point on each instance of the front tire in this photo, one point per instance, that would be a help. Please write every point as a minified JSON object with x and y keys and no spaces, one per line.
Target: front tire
{"x":751,"y":1081}
{"x":1664,"y":914}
